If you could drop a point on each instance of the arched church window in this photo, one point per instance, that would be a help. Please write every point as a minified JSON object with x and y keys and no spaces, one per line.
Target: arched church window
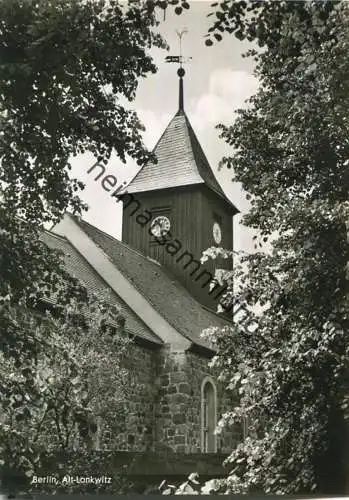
{"x":208,"y":416}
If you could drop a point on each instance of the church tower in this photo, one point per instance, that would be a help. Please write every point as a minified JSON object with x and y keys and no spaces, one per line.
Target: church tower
{"x":174,"y":208}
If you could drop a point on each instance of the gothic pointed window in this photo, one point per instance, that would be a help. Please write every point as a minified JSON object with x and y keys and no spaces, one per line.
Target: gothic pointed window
{"x":208,"y":416}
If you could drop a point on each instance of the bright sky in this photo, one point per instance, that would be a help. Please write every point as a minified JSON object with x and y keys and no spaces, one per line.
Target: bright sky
{"x":217,"y":81}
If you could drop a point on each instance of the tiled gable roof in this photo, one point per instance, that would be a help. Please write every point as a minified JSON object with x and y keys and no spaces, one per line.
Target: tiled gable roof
{"x":180,"y":162}
{"x":77,"y":267}
{"x":161,"y":290}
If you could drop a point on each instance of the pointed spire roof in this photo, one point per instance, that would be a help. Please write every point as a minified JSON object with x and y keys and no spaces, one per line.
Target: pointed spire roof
{"x":180,"y":159}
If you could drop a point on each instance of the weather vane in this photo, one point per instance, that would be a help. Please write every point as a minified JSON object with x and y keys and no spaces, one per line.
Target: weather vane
{"x":179,"y":59}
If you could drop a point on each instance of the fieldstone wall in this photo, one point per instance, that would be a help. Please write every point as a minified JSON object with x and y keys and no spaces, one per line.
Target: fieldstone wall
{"x":163,"y":408}
{"x":172,"y":401}
{"x":132,"y":426}
{"x":178,"y":404}
{"x":197,"y":370}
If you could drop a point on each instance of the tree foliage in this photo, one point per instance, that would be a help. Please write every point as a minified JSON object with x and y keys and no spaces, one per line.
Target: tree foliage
{"x":291,"y":154}
{"x":65,"y":67}
{"x":53,"y":393}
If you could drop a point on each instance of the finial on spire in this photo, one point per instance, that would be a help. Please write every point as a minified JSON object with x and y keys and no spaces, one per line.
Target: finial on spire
{"x":180,"y":34}
{"x":180,"y":72}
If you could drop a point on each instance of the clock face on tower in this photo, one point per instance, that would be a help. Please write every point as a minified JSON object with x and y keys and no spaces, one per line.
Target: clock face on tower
{"x":217,"y":233}
{"x":160,"y":226}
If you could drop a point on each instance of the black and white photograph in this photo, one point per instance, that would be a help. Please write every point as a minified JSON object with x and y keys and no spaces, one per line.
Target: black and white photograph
{"x":174,"y":248}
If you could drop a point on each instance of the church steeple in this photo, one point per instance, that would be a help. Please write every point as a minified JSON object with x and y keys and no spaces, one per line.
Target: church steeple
{"x":180,"y":206}
{"x":180,"y":159}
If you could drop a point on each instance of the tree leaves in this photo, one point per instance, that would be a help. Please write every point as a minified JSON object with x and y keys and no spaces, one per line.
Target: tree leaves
{"x":58,"y":74}
{"x":290,"y":155}
{"x":65,"y":66}
{"x":77,"y":375}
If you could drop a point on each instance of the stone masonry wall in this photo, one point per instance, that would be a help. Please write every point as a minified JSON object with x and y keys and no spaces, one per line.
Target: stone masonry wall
{"x":178,"y":405}
{"x":197,"y":370}
{"x":172,"y":401}
{"x":163,"y":410}
{"x":132,"y":428}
